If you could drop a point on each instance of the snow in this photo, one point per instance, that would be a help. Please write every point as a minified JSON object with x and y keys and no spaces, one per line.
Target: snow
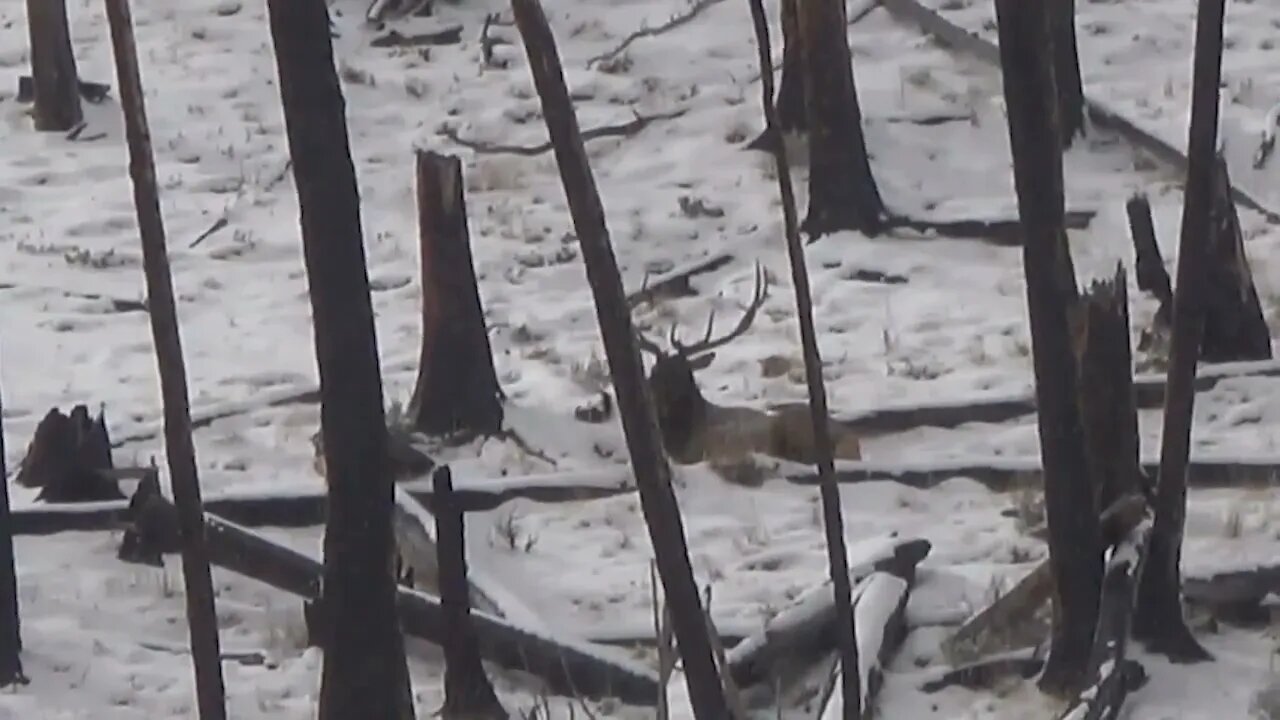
{"x":955,"y":330}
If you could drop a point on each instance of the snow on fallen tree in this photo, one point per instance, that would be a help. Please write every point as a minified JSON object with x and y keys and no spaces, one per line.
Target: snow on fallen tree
{"x":879,"y":619}
{"x":571,"y":668}
{"x":803,"y":631}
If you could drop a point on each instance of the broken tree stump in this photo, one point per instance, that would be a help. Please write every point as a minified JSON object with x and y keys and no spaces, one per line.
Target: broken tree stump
{"x":467,"y":690}
{"x":1235,"y":327}
{"x":457,"y":388}
{"x":571,"y":668}
{"x":1149,"y":269}
{"x":1108,"y":410}
{"x":69,"y":459}
{"x":55,"y":83}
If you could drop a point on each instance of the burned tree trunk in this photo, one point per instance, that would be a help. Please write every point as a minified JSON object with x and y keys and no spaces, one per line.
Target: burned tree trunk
{"x":842,"y":190}
{"x":792,"y":111}
{"x":53,"y":67}
{"x":1235,"y":327}
{"x":1074,"y":537}
{"x":1109,"y":414}
{"x":69,"y":459}
{"x":852,"y":692}
{"x":457,"y":388}
{"x":1149,"y":268}
{"x":467,"y":690}
{"x":162,"y":307}
{"x":364,"y":674}
{"x":635,"y":405}
{"x":1066,"y":70}
{"x":10,"y":621}
{"x":1160,"y":622}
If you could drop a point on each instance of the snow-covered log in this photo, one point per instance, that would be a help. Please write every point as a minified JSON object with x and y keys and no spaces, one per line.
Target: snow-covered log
{"x":567,"y":666}
{"x":878,"y":615}
{"x":804,"y":629}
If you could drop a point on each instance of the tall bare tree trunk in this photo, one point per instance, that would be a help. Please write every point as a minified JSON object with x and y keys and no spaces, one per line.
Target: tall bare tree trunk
{"x":10,"y":621}
{"x":1075,"y":551}
{"x":1159,"y":622}
{"x":364,"y":675}
{"x":53,"y":67}
{"x":162,"y":309}
{"x":1066,"y":69}
{"x":635,"y":405}
{"x":792,"y":115}
{"x":842,"y":191}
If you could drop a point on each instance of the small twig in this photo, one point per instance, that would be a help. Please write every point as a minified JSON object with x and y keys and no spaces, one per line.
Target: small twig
{"x":225,"y":218}
{"x":1268,"y":143}
{"x":487,"y":44}
{"x":675,"y":22}
{"x":217,"y":225}
{"x":626,"y":129}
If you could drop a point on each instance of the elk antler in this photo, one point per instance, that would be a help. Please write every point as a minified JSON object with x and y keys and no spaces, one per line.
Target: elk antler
{"x":706,"y":344}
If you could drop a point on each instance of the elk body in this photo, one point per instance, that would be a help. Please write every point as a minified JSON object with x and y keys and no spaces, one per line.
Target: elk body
{"x":695,"y":429}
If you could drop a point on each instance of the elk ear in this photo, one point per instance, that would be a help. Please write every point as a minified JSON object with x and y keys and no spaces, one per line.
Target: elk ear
{"x":702,"y":361}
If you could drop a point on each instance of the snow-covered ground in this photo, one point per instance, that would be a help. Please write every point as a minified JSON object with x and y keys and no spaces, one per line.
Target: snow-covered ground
{"x":96,"y":631}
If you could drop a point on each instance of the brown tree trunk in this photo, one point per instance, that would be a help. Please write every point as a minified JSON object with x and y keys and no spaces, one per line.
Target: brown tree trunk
{"x":1066,"y":70}
{"x":833,"y":520}
{"x":457,"y":388}
{"x":53,"y":67}
{"x":635,"y":405}
{"x":1159,"y":621}
{"x":842,"y":191}
{"x":179,"y":447}
{"x":364,"y":674}
{"x":10,"y":621}
{"x":1074,"y":537}
{"x":1235,"y":327}
{"x":467,"y":690}
{"x":1108,"y":410}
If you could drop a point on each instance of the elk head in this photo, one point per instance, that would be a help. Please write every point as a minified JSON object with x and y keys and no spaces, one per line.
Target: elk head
{"x":681,"y":408}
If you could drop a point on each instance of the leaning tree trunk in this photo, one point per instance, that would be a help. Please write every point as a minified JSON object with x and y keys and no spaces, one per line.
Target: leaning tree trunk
{"x":162,"y":309}
{"x":54,"y":79}
{"x":1075,"y":552}
{"x":842,"y":191}
{"x":364,"y":673}
{"x":1159,"y":621}
{"x":10,"y":624}
{"x":1066,"y":70}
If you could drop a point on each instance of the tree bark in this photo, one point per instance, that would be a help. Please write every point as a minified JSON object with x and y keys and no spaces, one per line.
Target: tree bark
{"x":1066,"y":70}
{"x":843,"y":194}
{"x":162,"y":309}
{"x":1074,"y":538}
{"x":1149,"y":268}
{"x":364,"y":673}
{"x":852,"y":692}
{"x":467,"y":690}
{"x":1160,"y":622}
{"x":10,"y":620}
{"x":792,"y":113}
{"x":635,"y":405}
{"x":53,"y":67}
{"x":457,"y":388}
{"x":1109,"y":414}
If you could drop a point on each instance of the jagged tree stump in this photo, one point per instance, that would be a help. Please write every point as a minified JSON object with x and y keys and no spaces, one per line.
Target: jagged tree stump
{"x":1235,"y":327}
{"x":69,"y":459}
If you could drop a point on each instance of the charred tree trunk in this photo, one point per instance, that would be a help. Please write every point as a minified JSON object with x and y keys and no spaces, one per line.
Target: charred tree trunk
{"x":1235,"y":327}
{"x":364,"y":674}
{"x":1151,"y":274}
{"x":1066,"y":70}
{"x":1159,"y":622}
{"x":792,"y":111}
{"x":1074,"y":537}
{"x":833,"y":521}
{"x":10,"y":621}
{"x":1109,"y":414}
{"x":179,"y":447}
{"x":457,"y":388}
{"x":467,"y":690}
{"x":635,"y":405}
{"x":842,"y":191}
{"x":53,"y":67}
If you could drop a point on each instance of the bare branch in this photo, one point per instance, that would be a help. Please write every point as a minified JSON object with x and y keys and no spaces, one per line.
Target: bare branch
{"x":627,"y":129}
{"x":675,"y":22}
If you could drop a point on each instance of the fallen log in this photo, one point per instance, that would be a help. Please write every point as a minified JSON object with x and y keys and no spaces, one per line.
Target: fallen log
{"x":675,"y":283}
{"x":880,"y":626}
{"x":1005,"y":474}
{"x":1102,"y":114}
{"x":996,"y":628}
{"x":1002,"y":231}
{"x":570,"y":668}
{"x":985,"y":673}
{"x":306,"y":508}
{"x":803,"y":631}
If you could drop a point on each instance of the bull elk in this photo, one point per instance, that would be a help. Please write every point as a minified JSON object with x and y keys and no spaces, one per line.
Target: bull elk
{"x":694,"y":429}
